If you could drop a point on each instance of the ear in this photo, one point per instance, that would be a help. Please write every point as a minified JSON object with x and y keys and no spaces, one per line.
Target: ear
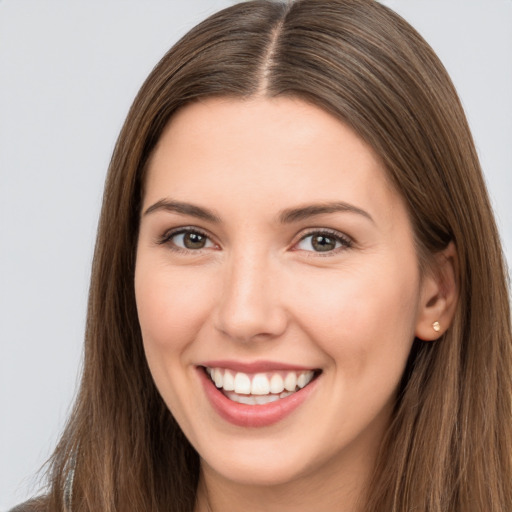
{"x":439,"y":295}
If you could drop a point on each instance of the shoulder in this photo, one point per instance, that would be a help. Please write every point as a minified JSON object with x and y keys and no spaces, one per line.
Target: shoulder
{"x":34,"y":505}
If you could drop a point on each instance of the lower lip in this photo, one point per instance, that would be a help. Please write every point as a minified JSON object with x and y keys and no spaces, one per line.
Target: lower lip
{"x":244,"y":415}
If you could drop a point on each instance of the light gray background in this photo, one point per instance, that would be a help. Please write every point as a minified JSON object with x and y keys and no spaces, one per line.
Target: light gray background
{"x":68,"y":73}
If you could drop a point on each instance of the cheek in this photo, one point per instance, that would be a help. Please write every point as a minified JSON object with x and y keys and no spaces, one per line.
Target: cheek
{"x":364,"y":316}
{"x":365,"y":326}
{"x":171,"y":305}
{"x":171,"y":308}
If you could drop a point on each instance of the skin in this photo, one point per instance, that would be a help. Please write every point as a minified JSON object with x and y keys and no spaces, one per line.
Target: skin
{"x":259,"y":290}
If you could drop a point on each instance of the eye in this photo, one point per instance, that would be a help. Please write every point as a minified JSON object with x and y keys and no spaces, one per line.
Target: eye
{"x":323,"y":242}
{"x":187,"y":239}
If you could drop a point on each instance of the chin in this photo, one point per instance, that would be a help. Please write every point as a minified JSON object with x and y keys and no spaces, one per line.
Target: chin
{"x":277,"y":460}
{"x":257,"y":472}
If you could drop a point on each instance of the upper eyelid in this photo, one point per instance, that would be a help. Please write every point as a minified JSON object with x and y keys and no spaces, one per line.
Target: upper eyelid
{"x":327,"y":231}
{"x":311,"y":231}
{"x":184,"y":229}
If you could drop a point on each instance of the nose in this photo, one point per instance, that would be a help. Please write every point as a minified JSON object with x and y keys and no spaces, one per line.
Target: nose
{"x":250,"y":307}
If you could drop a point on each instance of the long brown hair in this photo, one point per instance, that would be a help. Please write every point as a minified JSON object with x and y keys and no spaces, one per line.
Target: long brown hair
{"x":449,"y":445}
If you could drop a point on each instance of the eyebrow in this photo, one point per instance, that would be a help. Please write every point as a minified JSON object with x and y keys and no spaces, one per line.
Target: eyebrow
{"x":303,"y":212}
{"x":169,"y":205}
{"x":288,"y":216}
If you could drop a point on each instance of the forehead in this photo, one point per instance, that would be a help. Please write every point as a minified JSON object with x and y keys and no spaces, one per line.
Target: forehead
{"x":279,"y":150}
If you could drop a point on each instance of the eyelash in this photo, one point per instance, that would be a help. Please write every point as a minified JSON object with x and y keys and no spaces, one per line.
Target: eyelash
{"x":168,"y":236}
{"x":344,"y":241}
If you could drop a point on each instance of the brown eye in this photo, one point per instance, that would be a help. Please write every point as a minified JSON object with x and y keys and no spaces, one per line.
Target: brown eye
{"x":323,"y":242}
{"x":194,"y":240}
{"x":187,"y":240}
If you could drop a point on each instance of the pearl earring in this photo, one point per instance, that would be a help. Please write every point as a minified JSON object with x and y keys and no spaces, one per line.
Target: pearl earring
{"x":436,"y":326}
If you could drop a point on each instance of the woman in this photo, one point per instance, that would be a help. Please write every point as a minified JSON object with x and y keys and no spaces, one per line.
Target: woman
{"x":292,"y":304}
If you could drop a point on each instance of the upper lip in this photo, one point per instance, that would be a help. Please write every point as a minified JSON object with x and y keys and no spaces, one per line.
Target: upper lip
{"x":254,"y":366}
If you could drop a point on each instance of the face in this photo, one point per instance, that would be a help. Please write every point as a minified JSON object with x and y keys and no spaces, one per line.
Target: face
{"x":275,"y":259}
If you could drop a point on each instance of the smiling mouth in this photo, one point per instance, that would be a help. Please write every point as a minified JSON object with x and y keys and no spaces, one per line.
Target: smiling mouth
{"x":259,"y":388}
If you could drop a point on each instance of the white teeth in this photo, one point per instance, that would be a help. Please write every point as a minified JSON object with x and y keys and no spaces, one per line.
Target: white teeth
{"x":260,"y":385}
{"x":253,"y":399}
{"x":276,"y":383}
{"x":259,"y":388}
{"x":304,"y":379}
{"x":247,"y":400}
{"x":262,"y":400}
{"x":242,"y":384}
{"x":229,"y":381}
{"x":218,"y":377}
{"x":290,"y":381}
